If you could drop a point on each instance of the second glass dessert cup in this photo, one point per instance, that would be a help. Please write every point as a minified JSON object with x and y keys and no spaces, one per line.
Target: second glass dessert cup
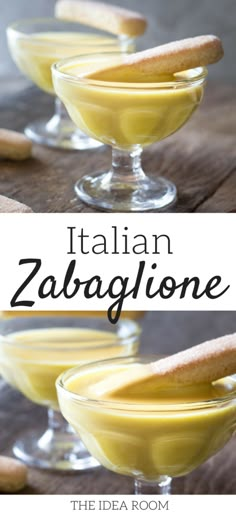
{"x":35,"y":44}
{"x":151,"y":438}
{"x":128,"y":117}
{"x":33,"y":352}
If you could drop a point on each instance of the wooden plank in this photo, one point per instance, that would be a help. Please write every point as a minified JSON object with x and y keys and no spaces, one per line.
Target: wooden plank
{"x":199,"y":158}
{"x":224,"y":197}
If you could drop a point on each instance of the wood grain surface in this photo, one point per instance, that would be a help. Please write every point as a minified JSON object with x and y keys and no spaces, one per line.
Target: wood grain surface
{"x":217,"y":476}
{"x":200,"y":158}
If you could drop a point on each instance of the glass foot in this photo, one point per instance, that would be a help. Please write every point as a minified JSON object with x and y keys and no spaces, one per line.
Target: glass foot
{"x":104,"y":192}
{"x":54,"y":451}
{"x":60,"y":134}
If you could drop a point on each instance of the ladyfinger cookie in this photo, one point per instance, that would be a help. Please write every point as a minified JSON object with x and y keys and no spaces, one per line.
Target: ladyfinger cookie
{"x":102,"y":16}
{"x":13,"y":475}
{"x":203,"y":363}
{"x":200,"y":364}
{"x":14,"y":145}
{"x":165,"y":59}
{"x":9,"y":205}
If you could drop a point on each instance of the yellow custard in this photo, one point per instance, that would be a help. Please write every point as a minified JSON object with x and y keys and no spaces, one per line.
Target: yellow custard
{"x":126,"y":115}
{"x":31,"y":360}
{"x":157,"y":433}
{"x":34,"y":54}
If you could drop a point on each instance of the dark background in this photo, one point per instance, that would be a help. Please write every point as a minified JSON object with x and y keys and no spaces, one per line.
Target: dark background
{"x":169,"y":332}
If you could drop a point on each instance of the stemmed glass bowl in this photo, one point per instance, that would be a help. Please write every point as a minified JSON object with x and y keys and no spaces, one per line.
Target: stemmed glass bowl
{"x":129,"y":117}
{"x":33,"y":352}
{"x":35,"y":44}
{"x":149,"y":439}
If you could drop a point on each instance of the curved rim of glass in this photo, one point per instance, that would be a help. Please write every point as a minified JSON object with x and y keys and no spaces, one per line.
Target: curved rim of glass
{"x":117,"y":339}
{"x":15,"y":27}
{"x":116,"y":405}
{"x":199,"y":75}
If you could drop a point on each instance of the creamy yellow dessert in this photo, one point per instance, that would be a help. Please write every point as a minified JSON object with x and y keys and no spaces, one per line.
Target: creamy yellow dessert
{"x":34,"y":54}
{"x":149,"y":434}
{"x":31,"y":360}
{"x":123,"y":114}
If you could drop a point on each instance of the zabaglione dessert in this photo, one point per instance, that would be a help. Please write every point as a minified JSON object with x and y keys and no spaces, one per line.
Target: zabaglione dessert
{"x":31,"y":360}
{"x":130,"y":102}
{"x":35,"y":54}
{"x":128,"y":115}
{"x":154,"y":422}
{"x":35,"y":44}
{"x":34,"y":351}
{"x":135,"y":100}
{"x":36,"y":358}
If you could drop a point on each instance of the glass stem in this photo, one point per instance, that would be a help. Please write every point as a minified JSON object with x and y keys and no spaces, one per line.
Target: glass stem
{"x":60,"y":123}
{"x":57,"y":423}
{"x":60,"y":110}
{"x":126,"y":166}
{"x":161,"y":486}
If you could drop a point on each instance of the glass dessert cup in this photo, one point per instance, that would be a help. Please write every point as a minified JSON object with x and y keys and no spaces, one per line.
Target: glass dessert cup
{"x":35,"y":44}
{"x":151,"y":440}
{"x":33,"y":352}
{"x":128,"y":117}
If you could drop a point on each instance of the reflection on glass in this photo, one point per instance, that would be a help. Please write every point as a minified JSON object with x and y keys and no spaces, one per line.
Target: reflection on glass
{"x":33,"y":352}
{"x":151,"y":435}
{"x":35,"y":45}
{"x":128,"y":117}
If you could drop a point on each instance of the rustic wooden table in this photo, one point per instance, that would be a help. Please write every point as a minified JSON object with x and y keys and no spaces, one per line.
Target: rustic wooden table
{"x":169,"y":330}
{"x":200,"y":158}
